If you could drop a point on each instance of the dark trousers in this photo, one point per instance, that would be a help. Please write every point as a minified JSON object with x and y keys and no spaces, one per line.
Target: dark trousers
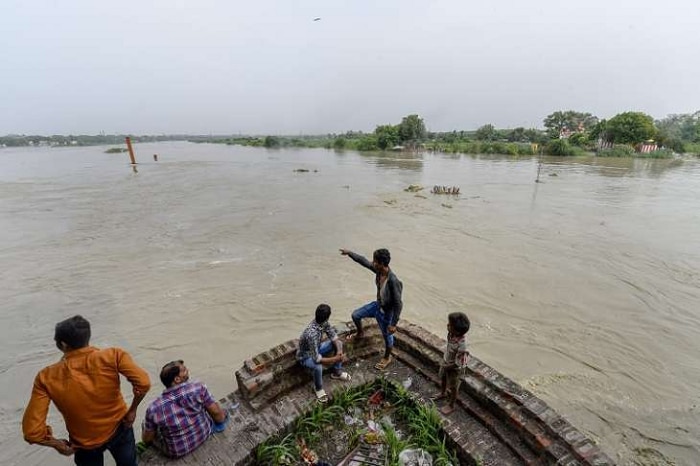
{"x":122,"y":446}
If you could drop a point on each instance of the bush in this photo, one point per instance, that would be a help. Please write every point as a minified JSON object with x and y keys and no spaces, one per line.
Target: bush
{"x":559,"y":147}
{"x":367,"y":143}
{"x":339,"y":143}
{"x":271,"y":141}
{"x":578,"y":139}
{"x":692,"y":148}
{"x":618,"y":150}
{"x":658,"y":154}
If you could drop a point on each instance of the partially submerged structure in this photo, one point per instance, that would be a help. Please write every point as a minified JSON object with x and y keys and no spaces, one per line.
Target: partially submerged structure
{"x":497,"y":421}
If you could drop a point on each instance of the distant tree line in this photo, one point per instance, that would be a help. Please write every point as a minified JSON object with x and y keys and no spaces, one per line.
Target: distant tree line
{"x":16,"y":140}
{"x":567,"y":132}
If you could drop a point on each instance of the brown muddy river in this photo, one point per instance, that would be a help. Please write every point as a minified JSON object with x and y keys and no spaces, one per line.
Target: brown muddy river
{"x":584,"y":288}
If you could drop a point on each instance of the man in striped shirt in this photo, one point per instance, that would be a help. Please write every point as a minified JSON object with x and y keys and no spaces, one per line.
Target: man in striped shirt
{"x":184,"y":415}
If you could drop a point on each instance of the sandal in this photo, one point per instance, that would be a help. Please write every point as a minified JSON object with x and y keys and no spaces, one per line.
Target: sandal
{"x":383,"y":363}
{"x":321,"y":396}
{"x":344,"y":376}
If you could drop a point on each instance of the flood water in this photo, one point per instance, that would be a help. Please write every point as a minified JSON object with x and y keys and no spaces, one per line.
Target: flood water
{"x":583,"y":288}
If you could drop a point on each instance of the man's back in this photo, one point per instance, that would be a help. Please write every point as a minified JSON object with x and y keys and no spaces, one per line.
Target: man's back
{"x":85,"y":387}
{"x":180,"y":416}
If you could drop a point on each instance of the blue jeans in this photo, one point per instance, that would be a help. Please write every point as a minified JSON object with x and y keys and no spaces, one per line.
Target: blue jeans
{"x":373,"y":310}
{"x":327,"y":348}
{"x":122,"y":446}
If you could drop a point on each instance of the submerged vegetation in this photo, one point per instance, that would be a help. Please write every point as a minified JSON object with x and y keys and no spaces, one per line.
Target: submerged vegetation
{"x":381,"y":415}
{"x":115,"y":150}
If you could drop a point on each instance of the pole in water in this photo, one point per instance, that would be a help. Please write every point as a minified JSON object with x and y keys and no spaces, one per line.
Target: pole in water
{"x":131,"y":150}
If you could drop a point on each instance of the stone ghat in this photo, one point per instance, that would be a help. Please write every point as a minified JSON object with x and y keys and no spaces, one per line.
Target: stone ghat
{"x":497,"y":421}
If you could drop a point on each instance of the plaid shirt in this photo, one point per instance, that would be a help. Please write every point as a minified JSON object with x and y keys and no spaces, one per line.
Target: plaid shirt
{"x":179,"y":417}
{"x":310,"y":340}
{"x":456,"y":351}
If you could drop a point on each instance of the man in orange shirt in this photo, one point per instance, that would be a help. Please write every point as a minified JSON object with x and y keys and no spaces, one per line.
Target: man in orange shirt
{"x":84,"y":385}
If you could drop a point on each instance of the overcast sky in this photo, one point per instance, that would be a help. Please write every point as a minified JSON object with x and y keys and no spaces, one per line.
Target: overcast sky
{"x":203,"y":66}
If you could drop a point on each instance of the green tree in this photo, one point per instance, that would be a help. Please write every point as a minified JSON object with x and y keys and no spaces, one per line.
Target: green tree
{"x":599,"y":131}
{"x":517,"y":135}
{"x":411,"y":129}
{"x":339,"y":143}
{"x":535,"y":135}
{"x":569,"y":119}
{"x":485,"y":133}
{"x":578,"y":139}
{"x":271,"y":141}
{"x":630,"y":128}
{"x":368,"y":142}
{"x":387,"y":136}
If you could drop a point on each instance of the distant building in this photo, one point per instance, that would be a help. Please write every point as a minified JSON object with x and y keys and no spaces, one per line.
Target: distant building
{"x":566,"y":132}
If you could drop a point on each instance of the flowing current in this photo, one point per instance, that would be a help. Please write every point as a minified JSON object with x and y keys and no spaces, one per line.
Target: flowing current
{"x":584,"y":288}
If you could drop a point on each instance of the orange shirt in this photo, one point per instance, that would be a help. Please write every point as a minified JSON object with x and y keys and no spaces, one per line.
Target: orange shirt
{"x":84,"y":386}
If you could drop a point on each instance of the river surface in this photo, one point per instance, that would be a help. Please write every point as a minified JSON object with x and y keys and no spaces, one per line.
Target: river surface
{"x":584,"y":288}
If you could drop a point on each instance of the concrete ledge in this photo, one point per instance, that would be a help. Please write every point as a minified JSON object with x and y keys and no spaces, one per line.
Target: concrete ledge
{"x":498,"y":423}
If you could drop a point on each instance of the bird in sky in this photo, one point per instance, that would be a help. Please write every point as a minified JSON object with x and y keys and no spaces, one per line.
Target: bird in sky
{"x":317,"y":19}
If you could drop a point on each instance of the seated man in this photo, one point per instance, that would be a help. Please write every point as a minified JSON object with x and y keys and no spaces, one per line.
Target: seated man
{"x":184,"y":415}
{"x":312,"y":354}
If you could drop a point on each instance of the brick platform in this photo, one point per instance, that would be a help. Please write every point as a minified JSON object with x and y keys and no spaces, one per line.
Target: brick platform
{"x":497,"y":422}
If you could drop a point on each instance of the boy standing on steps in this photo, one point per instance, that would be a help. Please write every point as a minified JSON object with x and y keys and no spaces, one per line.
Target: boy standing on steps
{"x":454,"y":363}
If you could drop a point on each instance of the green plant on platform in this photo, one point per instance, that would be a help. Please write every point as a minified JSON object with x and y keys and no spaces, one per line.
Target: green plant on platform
{"x":281,"y":453}
{"x":352,"y":397}
{"x":423,"y":421}
{"x":394,"y":444}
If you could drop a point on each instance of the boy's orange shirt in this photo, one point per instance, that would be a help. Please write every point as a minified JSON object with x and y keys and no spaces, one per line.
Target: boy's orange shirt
{"x":85,"y":387}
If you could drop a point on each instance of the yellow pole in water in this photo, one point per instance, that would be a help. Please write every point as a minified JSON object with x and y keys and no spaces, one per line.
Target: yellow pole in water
{"x":131,"y":150}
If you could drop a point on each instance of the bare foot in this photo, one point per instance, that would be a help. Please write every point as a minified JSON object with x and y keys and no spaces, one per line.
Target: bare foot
{"x":438,"y":396}
{"x":447,"y":410}
{"x":354,"y":336}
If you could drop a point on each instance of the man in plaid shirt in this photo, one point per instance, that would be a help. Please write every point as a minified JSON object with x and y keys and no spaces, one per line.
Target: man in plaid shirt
{"x":184,"y":415}
{"x":313,"y":354}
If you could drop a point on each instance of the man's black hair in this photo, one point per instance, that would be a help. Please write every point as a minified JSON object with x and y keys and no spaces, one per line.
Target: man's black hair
{"x":323,"y":313}
{"x":382,"y":256}
{"x":74,"y":332}
{"x":459,"y":322}
{"x":170,"y":371}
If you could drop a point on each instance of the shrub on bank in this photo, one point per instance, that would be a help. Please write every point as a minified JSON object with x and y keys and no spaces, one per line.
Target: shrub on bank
{"x":559,"y":147}
{"x":657,"y":154}
{"x":618,"y":150}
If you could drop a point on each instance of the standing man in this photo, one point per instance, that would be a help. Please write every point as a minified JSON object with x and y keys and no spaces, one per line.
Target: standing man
{"x":84,"y":385}
{"x":184,"y":415}
{"x":387,"y":308}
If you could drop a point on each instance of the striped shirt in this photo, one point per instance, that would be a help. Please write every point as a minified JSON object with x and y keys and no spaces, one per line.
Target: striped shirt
{"x":180,"y":419}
